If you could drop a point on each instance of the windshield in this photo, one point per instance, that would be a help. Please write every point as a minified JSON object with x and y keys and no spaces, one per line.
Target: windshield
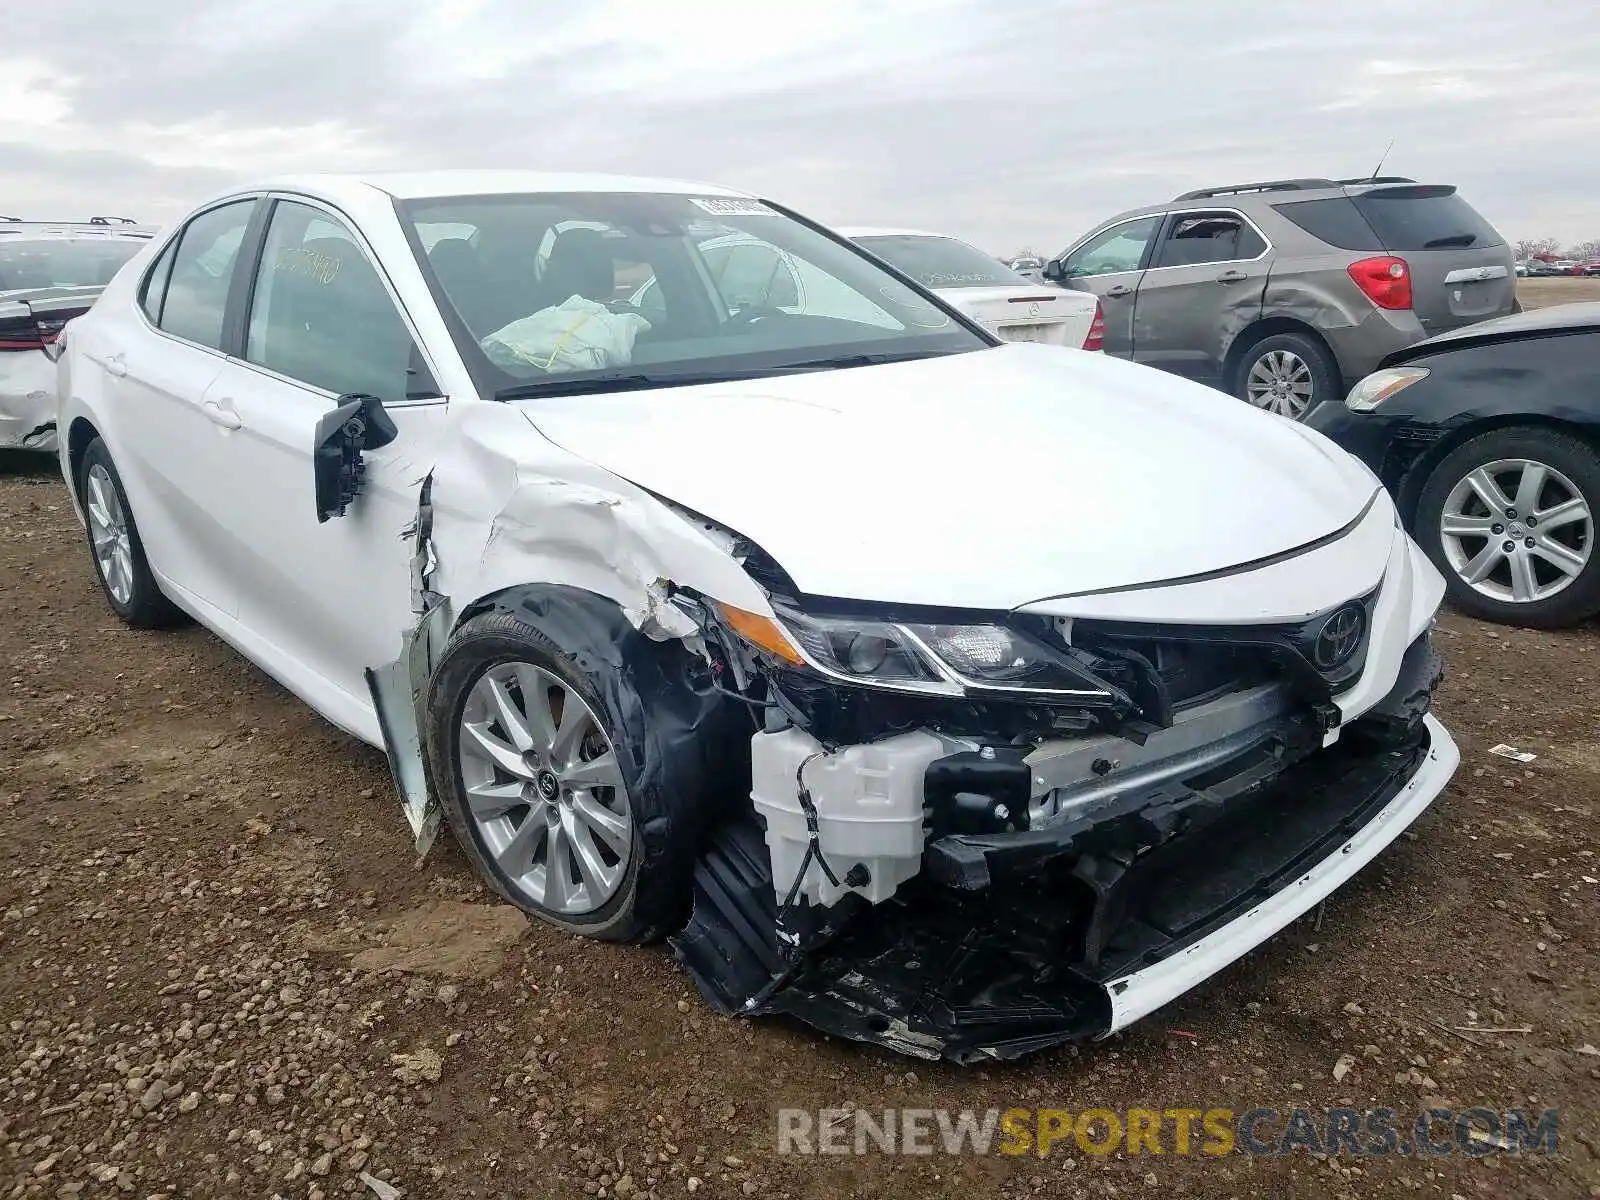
{"x":940,"y":262}
{"x":547,"y":291}
{"x":62,"y":262}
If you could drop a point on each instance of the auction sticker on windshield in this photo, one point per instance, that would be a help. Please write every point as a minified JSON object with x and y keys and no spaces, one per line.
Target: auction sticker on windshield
{"x":731,"y":206}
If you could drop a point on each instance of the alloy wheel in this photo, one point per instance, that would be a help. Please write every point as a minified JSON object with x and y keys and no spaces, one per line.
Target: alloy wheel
{"x":544,"y":788}
{"x":1280,"y":381}
{"x":108,"y":533}
{"x":1516,"y":530}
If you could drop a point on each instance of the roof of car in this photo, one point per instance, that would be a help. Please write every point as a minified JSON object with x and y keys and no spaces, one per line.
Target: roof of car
{"x":41,"y":231}
{"x":1255,"y":196}
{"x":413,"y":185}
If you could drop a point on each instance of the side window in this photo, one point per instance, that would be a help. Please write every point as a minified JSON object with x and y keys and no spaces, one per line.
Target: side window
{"x":1336,"y":221}
{"x":1197,"y":238}
{"x":319,"y":312}
{"x":1120,"y":248}
{"x":753,"y":275}
{"x":202,"y":271}
{"x":154,"y":291}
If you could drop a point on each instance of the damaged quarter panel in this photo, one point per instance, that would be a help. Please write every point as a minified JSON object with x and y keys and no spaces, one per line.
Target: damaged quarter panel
{"x":512,"y":508}
{"x":27,"y":398}
{"x":1318,"y":294}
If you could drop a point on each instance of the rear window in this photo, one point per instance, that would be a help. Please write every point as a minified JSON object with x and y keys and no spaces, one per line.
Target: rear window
{"x":1431,"y":218}
{"x":940,"y":262}
{"x":1336,"y":221}
{"x":62,"y":262}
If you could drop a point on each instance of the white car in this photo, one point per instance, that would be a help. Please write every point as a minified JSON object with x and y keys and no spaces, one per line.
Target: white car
{"x":49,"y":274}
{"x":988,"y":291}
{"x":957,"y":696}
{"x":1029,"y":267}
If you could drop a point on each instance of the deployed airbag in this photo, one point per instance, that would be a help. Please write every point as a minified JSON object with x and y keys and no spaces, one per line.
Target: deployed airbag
{"x":575,"y":335}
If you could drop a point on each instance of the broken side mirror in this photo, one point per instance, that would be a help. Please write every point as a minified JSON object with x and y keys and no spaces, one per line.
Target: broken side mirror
{"x":359,"y":423}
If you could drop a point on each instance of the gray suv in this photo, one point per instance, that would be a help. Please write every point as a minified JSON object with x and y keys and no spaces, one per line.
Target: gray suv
{"x":1286,"y":292}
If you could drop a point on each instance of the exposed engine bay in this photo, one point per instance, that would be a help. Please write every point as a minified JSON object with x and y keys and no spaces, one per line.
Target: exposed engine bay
{"x":968,"y":877}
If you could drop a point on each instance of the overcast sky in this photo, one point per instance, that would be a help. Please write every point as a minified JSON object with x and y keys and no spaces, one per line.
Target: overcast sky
{"x":1005,"y":122}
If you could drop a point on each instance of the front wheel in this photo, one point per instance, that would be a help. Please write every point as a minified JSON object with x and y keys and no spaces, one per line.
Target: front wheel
{"x":575,"y":774}
{"x":1288,"y":374}
{"x":1509,"y":519}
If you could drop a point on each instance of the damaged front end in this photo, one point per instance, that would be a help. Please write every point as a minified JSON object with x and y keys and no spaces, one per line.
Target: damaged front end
{"x":984,"y":854}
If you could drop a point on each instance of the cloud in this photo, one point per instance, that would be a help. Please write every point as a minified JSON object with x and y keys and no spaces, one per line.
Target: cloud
{"x":1005,"y":124}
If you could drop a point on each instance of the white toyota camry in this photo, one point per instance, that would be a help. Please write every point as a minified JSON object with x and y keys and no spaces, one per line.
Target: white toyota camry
{"x":958,"y":696}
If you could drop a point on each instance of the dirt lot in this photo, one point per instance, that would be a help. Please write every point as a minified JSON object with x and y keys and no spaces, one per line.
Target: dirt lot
{"x":1539,"y":293}
{"x":222,"y":975}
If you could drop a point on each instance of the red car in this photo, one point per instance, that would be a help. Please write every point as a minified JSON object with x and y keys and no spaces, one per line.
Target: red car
{"x":1589,"y":266}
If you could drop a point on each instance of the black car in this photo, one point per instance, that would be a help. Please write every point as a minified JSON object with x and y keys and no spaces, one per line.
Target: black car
{"x":1489,"y":439}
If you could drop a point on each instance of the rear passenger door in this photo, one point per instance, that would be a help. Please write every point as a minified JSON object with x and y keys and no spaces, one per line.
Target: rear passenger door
{"x":160,"y":430}
{"x":1110,"y":265}
{"x":318,"y":603}
{"x":1204,"y":284}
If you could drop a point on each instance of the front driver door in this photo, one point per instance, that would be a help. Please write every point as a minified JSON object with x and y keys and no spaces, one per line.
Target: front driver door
{"x":321,"y":602}
{"x":1110,"y":264}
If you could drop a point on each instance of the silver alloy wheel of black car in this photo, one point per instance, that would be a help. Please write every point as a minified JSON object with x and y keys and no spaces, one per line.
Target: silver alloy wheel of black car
{"x":1280,"y":381}
{"x":1516,"y":530}
{"x":108,"y":534}
{"x":544,"y":788}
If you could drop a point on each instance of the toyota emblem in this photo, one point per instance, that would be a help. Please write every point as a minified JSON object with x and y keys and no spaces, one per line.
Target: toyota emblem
{"x":1339,"y":637}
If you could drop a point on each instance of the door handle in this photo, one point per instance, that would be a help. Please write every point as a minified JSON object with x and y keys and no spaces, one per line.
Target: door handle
{"x":217,"y":415}
{"x":115,"y":365}
{"x":1232,"y":277}
{"x":1118,"y":291}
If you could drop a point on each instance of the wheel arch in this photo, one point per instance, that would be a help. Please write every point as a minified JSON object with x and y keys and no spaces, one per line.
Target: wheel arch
{"x":606,"y":643}
{"x":1258,"y":331}
{"x":1408,"y":493}
{"x":79,"y":435}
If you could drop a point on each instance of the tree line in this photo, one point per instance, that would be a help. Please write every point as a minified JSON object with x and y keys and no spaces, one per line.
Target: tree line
{"x":1528,"y":247}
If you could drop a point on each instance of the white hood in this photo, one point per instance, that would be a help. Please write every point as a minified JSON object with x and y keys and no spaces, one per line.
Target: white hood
{"x":980,"y":480}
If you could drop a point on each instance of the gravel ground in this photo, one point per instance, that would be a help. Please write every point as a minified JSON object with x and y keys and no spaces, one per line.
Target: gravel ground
{"x":222,"y":974}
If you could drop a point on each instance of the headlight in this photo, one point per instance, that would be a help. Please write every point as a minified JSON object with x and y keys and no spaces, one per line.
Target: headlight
{"x":945,"y":660}
{"x":1380,"y":385}
{"x":996,"y":657}
{"x":863,"y":651}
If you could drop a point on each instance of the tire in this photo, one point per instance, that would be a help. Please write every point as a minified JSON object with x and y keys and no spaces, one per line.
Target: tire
{"x":1571,"y":471}
{"x":665,"y":728}
{"x":1301,"y":363}
{"x":124,"y":574}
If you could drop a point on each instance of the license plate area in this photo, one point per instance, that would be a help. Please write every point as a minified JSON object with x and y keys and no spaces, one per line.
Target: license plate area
{"x":1475,"y":298}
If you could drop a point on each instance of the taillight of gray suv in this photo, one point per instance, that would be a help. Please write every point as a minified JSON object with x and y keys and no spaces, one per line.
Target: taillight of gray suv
{"x":1285,"y":292}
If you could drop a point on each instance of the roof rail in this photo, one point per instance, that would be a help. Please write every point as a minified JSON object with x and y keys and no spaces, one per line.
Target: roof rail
{"x":1270,"y":185}
{"x":112,"y":221}
{"x":1375,"y":179}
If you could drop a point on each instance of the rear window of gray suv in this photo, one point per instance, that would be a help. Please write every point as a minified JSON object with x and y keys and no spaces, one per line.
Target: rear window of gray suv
{"x":1425,"y":218}
{"x":1395,"y":219}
